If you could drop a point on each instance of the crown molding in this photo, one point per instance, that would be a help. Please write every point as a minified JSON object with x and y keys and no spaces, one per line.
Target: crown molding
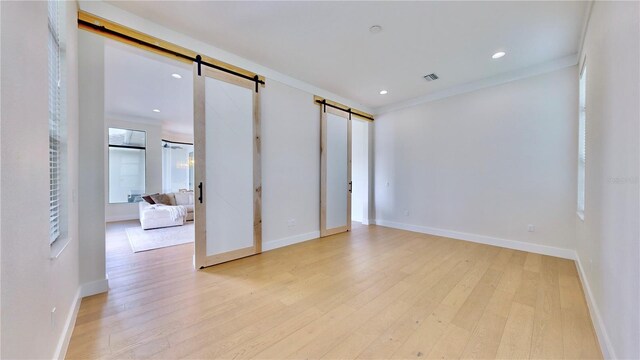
{"x":535,"y":70}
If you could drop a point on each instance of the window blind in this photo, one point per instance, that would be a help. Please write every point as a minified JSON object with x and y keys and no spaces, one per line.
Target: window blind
{"x":55,"y":94}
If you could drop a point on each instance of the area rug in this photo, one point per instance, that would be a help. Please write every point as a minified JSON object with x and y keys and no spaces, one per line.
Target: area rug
{"x":144,"y":240}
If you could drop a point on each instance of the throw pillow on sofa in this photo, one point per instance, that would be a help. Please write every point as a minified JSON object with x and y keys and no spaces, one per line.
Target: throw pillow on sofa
{"x":148,"y":198}
{"x":183,"y":198}
{"x":163,"y":199}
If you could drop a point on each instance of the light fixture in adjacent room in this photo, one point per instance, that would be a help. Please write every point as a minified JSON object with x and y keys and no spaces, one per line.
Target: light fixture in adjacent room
{"x":156,"y":110}
{"x":431,"y":77}
{"x":498,"y":55}
{"x":375,"y":29}
{"x":383,"y":92}
{"x":176,"y":76}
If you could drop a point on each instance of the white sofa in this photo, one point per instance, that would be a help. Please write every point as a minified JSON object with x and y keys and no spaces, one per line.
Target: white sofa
{"x":160,"y":216}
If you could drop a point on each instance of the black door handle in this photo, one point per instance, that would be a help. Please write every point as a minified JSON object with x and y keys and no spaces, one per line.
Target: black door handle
{"x":200,"y":197}
{"x":350,"y":185}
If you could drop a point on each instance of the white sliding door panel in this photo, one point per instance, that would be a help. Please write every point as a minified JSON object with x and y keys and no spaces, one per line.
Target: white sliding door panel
{"x":337,"y":171}
{"x":229,"y":166}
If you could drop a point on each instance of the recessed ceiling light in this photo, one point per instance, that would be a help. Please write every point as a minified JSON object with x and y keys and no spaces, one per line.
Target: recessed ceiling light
{"x":176,"y":76}
{"x":375,"y":29}
{"x":156,"y":110}
{"x":498,"y":55}
{"x":383,"y":92}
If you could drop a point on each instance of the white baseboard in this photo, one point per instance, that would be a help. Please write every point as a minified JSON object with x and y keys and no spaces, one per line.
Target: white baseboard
{"x":274,"y":244}
{"x":601,"y":332}
{"x":482,"y":239}
{"x":94,"y":287}
{"x":69,"y":324}
{"x":122,"y":218}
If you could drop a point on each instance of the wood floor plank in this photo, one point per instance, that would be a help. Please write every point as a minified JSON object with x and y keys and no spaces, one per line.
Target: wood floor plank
{"x":516,"y":337}
{"x":451,"y":344}
{"x":320,"y":346}
{"x":471,"y":311}
{"x":386,"y":344}
{"x":461,"y":280}
{"x":579,"y":340}
{"x":547,"y":338}
{"x":527,"y":292}
{"x":372,"y":293}
{"x":500,"y":302}
{"x":578,"y":335}
{"x":533,"y":262}
{"x":485,"y":339}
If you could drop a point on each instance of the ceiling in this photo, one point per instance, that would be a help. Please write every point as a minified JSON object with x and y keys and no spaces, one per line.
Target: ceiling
{"x":328,"y":44}
{"x":138,"y":81}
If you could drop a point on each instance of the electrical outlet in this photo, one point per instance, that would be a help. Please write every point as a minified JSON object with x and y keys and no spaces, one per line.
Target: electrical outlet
{"x":53,"y":317}
{"x":531,"y":228}
{"x":291,"y":223}
{"x":406,"y":212}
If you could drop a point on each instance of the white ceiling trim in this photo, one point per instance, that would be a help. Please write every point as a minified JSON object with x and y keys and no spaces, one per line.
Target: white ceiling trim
{"x":112,"y":13}
{"x":484,"y":83}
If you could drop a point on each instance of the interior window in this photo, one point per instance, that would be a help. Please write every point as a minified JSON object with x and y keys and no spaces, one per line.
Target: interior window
{"x":127,"y":164}
{"x":177,"y":166}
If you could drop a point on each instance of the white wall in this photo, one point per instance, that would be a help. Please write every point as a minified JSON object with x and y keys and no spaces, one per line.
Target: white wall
{"x":290,"y":165}
{"x":608,"y":241}
{"x":91,"y":161}
{"x":32,"y":282}
{"x":484,"y":165}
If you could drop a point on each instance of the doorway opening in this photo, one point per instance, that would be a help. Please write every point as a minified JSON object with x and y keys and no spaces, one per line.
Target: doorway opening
{"x":149,"y":152}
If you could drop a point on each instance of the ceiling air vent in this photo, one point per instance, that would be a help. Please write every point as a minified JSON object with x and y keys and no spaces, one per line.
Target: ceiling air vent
{"x":431,"y":77}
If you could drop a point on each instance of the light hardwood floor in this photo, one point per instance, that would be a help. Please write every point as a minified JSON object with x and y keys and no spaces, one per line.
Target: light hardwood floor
{"x":374,"y":293}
